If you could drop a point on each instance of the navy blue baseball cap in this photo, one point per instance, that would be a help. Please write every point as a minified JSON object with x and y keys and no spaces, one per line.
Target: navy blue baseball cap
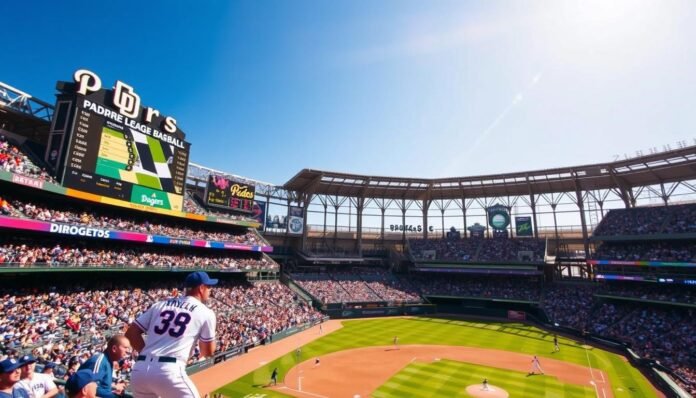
{"x":26,"y":360}
{"x":50,"y":365}
{"x":9,"y":365}
{"x":199,"y":278}
{"x":80,"y":379}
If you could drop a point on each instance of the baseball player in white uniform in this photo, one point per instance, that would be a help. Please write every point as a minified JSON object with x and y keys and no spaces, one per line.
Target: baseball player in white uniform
{"x":172,"y":327}
{"x":536,"y":366}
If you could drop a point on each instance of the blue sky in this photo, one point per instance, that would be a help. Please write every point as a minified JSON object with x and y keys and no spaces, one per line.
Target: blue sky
{"x":392,"y":88}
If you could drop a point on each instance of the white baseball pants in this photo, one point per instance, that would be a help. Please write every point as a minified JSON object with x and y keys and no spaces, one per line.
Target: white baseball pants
{"x":152,"y":379}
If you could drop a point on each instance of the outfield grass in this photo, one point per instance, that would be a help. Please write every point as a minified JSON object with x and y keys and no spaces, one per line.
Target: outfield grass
{"x":625,"y":380}
{"x":447,"y":378}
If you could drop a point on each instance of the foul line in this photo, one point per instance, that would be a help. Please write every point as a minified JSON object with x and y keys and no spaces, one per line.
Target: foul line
{"x":593,"y":377}
{"x":303,"y":392}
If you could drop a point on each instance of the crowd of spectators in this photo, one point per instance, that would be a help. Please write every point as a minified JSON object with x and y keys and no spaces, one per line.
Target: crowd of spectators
{"x":324,"y":289}
{"x":12,"y":159}
{"x":68,"y":324}
{"x":660,"y":332}
{"x":530,"y":250}
{"x":658,"y":292}
{"x":672,"y":219}
{"x":660,"y":250}
{"x":358,"y":286}
{"x":444,"y":249}
{"x":683,"y":220}
{"x":478,"y":250}
{"x":258,"y":311}
{"x":77,"y":254}
{"x":489,"y":287}
{"x":390,"y":287}
{"x":382,"y":286}
{"x":106,"y":219}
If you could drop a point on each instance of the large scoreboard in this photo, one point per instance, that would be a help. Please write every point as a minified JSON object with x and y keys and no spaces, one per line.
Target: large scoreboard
{"x":118,"y":149}
{"x":224,"y":192}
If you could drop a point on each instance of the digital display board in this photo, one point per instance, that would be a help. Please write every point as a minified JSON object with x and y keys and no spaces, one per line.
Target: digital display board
{"x":230,"y":194}
{"x":121,"y":150}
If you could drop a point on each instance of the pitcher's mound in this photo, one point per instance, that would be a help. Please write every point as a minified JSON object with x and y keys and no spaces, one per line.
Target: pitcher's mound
{"x":477,"y":390}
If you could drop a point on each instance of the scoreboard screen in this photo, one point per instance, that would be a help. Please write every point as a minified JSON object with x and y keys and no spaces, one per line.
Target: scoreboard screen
{"x":124,"y":158}
{"x":224,"y":192}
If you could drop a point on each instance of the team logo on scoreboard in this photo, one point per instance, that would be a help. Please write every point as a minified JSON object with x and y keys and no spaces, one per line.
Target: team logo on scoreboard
{"x":124,"y":98}
{"x":242,"y":191}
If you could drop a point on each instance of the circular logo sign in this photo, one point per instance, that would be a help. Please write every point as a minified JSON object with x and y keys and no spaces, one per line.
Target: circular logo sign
{"x":499,"y":221}
{"x":498,"y":217}
{"x":296,"y":225}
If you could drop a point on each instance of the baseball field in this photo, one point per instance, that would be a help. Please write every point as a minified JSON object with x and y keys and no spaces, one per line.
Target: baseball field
{"x":435,"y":357}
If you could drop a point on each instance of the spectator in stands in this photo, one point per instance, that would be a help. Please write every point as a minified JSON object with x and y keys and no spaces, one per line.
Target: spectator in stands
{"x":33,"y":384}
{"x":13,"y":160}
{"x":83,"y":384}
{"x":24,"y":255}
{"x":9,"y":376}
{"x":102,"y":364}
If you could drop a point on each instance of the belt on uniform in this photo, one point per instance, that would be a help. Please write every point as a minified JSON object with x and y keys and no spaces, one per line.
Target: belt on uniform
{"x":159,"y":359}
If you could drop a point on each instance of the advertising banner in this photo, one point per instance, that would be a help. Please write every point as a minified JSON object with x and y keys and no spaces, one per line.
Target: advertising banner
{"x":259,"y":214}
{"x":99,"y":233}
{"x":523,"y":226}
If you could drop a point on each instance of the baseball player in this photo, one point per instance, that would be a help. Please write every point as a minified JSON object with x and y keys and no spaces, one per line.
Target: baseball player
{"x":556,"y":348}
{"x":35,"y":384}
{"x":172,"y":326}
{"x":396,"y":342}
{"x":274,"y":376}
{"x":536,"y":366}
{"x":485,"y":384}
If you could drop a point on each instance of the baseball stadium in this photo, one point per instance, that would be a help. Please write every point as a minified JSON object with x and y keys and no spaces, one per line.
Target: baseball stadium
{"x":574,"y":282}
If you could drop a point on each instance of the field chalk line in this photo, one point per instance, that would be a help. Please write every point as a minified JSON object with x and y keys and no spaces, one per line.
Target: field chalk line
{"x":592,"y":374}
{"x":304,"y":392}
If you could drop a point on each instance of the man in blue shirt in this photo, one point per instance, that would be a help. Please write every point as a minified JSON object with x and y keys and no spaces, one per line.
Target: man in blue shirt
{"x":102,"y":365}
{"x":9,"y":376}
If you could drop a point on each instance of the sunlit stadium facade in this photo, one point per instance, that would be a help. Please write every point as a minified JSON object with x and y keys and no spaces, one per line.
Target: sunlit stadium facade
{"x":360,"y":214}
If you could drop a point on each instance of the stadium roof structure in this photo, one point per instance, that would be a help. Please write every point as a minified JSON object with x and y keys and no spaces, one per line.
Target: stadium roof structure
{"x":677,"y":165}
{"x":23,"y":114}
